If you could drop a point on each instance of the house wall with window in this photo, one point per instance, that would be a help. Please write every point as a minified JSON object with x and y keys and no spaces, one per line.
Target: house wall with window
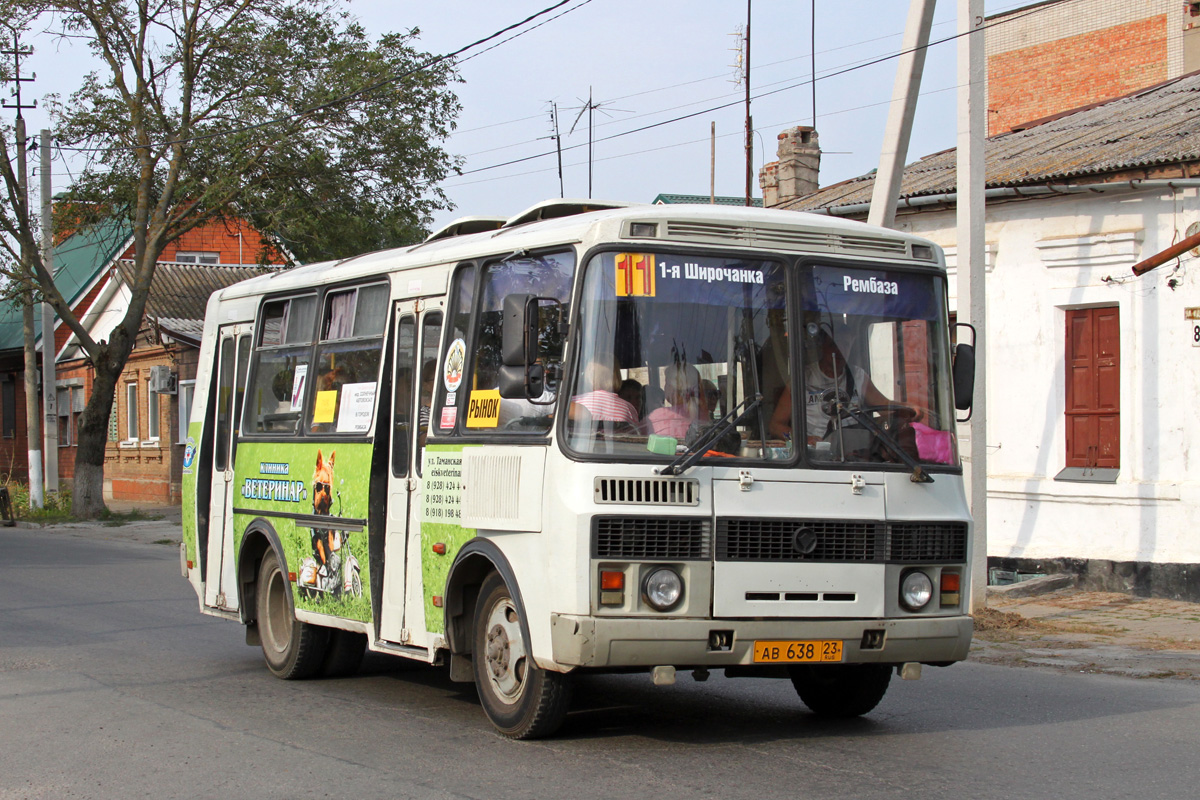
{"x":1093,"y":433}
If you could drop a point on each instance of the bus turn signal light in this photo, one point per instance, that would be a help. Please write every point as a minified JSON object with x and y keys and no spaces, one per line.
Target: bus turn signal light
{"x":612,"y":587}
{"x":950,"y":588}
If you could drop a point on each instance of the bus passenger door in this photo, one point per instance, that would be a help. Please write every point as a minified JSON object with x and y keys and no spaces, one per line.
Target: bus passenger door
{"x":233,"y":357}
{"x":391,"y":619}
{"x":415,"y":375}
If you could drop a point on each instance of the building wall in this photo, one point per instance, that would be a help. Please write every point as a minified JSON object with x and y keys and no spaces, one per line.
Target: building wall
{"x":1053,"y":57}
{"x":142,"y":469}
{"x":1046,"y":256}
{"x":235,"y":241}
{"x":14,"y":450}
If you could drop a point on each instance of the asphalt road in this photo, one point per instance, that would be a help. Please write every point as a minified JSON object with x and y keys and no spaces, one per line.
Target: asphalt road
{"x":113,"y":685}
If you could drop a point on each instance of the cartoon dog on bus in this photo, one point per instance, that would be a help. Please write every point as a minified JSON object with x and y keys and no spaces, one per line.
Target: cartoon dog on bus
{"x":332,"y":568}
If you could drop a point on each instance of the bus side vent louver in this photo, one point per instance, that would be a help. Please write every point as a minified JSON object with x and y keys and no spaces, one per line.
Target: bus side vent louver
{"x":648,"y":491}
{"x":651,"y":538}
{"x":784,"y":238}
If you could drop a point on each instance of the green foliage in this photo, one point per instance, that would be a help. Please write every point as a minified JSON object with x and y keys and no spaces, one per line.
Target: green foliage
{"x":56,"y":506}
{"x":243,"y":111}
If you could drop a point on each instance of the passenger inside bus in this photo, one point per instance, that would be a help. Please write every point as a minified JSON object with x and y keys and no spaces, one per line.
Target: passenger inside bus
{"x":600,"y":401}
{"x":686,"y":403}
{"x":825,"y":370}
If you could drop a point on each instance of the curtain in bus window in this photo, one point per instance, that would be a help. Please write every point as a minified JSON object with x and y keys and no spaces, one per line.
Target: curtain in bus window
{"x":348,"y":360}
{"x":341,"y":316}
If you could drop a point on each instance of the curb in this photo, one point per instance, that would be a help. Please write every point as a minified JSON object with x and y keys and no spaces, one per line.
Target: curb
{"x":1033,"y":587}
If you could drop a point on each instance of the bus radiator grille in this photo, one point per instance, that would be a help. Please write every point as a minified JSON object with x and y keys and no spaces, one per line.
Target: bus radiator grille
{"x":753,"y":539}
{"x":928,"y":542}
{"x":845,"y":541}
{"x":651,"y":538}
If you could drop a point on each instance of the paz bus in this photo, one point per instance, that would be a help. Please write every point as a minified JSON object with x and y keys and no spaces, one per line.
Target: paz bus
{"x":592,"y":437}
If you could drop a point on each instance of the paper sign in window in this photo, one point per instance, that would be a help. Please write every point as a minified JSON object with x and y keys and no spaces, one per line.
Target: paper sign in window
{"x":483,"y":409}
{"x":357,"y":407}
{"x":325,"y":407}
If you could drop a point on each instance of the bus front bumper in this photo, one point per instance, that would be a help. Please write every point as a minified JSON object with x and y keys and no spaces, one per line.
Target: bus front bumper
{"x":607,"y":642}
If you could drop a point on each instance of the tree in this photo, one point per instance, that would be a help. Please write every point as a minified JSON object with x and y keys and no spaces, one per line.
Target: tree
{"x":282,"y":112}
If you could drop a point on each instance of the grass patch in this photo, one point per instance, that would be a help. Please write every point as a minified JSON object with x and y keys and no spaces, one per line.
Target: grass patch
{"x":55,"y":508}
{"x":164,"y":541}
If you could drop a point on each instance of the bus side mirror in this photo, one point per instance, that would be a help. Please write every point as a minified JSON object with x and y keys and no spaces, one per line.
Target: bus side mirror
{"x":963,"y":372}
{"x":513,"y":385}
{"x":518,"y":340}
{"x":964,"y":376}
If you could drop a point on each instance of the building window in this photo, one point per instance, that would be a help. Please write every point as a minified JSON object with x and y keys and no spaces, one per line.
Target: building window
{"x":1093,"y":394}
{"x":152,"y":414}
{"x":187,"y":390}
{"x":8,"y":405}
{"x":197,"y":258}
{"x":131,"y":412}
{"x":70,"y":404}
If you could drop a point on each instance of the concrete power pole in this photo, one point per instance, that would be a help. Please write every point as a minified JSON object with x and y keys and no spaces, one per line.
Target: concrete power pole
{"x":900,"y":116}
{"x":49,"y":349}
{"x":32,"y":418}
{"x":971,"y":210}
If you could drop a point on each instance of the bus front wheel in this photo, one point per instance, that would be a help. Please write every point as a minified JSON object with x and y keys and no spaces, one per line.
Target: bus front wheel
{"x":521,"y":700}
{"x":841,"y":691}
{"x":291,"y":648}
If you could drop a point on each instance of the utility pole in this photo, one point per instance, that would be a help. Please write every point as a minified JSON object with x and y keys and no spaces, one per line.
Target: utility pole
{"x":909,"y":68}
{"x":49,"y":346}
{"x":32,"y":418}
{"x":557,"y":145}
{"x":749,"y":119}
{"x":971,"y":216}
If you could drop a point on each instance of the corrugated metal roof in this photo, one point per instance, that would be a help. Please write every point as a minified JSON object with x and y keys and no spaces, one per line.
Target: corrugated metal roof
{"x":181,"y":291}
{"x":78,"y":260}
{"x":1153,"y":127}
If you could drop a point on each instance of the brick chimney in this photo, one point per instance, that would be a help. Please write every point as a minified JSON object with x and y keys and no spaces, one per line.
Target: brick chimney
{"x":795,"y":173}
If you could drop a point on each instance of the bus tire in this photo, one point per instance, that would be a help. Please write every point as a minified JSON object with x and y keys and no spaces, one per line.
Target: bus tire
{"x":841,"y":691}
{"x":520,"y":699}
{"x":345,"y":653}
{"x":291,"y":648}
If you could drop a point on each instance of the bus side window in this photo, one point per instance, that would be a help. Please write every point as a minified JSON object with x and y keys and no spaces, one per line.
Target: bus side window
{"x":431,"y":334}
{"x":444,"y":412}
{"x":281,"y":365}
{"x":544,"y":275}
{"x":402,"y":410}
{"x":348,"y":360}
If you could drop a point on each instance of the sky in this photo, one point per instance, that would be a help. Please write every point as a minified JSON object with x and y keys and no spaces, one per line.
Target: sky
{"x":644,"y":62}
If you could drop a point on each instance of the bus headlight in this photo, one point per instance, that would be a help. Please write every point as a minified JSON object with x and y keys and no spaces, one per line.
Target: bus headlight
{"x":662,"y":589}
{"x":916,"y":590}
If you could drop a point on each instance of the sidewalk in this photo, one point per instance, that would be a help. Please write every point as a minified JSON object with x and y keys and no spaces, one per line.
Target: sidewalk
{"x":1098,"y":632}
{"x":152,"y":524}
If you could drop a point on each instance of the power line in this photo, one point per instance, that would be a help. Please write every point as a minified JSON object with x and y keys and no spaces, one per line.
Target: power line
{"x":709,"y":110}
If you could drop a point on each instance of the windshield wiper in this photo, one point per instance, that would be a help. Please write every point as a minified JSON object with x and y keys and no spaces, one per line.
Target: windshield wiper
{"x":919,"y":475}
{"x":696,"y":450}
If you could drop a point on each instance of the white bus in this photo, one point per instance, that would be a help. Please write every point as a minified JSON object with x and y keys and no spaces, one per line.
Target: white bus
{"x":593,"y":437}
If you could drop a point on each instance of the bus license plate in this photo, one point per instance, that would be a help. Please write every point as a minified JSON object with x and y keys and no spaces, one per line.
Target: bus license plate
{"x":785,"y":652}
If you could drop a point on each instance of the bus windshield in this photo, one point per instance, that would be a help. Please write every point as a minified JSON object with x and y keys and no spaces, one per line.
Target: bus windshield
{"x":672,"y":345}
{"x":875,"y":377}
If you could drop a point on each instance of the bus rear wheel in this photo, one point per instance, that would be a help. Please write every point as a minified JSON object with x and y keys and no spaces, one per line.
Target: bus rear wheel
{"x":841,"y":691}
{"x":291,"y":648}
{"x":522,"y":700}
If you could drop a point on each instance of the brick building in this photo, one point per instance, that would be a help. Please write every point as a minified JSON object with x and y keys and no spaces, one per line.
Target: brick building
{"x":1047,"y":58}
{"x":144,"y":455}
